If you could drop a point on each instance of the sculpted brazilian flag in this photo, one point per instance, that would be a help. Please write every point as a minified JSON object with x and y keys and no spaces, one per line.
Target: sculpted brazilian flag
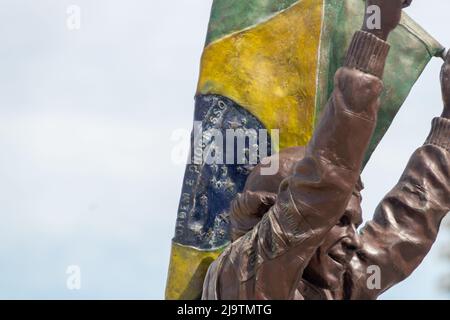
{"x":269,"y":64}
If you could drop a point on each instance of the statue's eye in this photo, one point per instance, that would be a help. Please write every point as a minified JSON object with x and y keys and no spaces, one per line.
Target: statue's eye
{"x":344,"y":221}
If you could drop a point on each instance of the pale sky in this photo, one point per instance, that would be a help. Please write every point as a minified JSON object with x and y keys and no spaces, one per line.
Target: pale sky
{"x":86,"y":119}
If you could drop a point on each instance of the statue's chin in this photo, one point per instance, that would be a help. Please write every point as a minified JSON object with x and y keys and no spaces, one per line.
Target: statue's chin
{"x":325,"y":274}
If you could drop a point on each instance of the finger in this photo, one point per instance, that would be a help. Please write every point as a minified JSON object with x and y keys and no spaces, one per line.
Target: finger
{"x":247,"y":210}
{"x":259,"y":202}
{"x":407,"y":3}
{"x":447,"y":57}
{"x":442,"y":54}
{"x":254,"y":203}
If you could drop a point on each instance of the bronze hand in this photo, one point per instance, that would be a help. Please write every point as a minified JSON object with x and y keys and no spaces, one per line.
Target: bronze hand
{"x":390,"y":15}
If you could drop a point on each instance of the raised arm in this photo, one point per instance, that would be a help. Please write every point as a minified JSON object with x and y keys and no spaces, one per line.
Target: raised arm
{"x":407,"y":221}
{"x":268,"y":262}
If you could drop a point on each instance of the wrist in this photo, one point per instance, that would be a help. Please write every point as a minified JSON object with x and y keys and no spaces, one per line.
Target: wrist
{"x":367,"y":53}
{"x":446,"y":113}
{"x":379,"y":33}
{"x":440,"y":133}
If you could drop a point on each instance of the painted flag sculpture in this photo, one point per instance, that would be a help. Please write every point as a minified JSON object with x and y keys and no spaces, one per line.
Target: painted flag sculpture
{"x":269,"y":64}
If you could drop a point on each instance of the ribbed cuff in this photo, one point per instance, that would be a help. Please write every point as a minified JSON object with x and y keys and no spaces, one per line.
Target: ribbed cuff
{"x":367,"y":53}
{"x":440,"y":133}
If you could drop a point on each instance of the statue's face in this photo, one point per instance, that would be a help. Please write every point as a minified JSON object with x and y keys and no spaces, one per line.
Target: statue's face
{"x":327,"y":266}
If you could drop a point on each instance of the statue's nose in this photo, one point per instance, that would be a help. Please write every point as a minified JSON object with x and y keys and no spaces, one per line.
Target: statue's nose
{"x":352,"y":242}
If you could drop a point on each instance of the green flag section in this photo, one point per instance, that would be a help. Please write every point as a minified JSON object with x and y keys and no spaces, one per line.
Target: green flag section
{"x":280,"y":64}
{"x":228,"y":16}
{"x":411,"y":50}
{"x":270,"y":64}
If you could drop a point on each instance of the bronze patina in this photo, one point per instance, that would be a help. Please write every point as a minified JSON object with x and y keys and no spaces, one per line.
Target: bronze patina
{"x":295,"y":234}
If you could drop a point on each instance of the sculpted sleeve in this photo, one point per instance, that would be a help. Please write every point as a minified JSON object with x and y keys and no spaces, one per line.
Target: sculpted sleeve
{"x":407,"y":220}
{"x":268,"y":261}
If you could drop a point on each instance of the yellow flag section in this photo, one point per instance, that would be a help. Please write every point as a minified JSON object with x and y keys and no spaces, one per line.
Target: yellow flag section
{"x":271,"y":70}
{"x":187,"y":271}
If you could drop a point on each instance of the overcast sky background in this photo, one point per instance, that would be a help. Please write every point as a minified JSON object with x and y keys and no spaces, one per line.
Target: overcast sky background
{"x":86,"y":119}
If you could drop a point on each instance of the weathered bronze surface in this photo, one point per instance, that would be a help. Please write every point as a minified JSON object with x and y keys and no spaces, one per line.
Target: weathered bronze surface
{"x":270,"y":65}
{"x":295,"y":234}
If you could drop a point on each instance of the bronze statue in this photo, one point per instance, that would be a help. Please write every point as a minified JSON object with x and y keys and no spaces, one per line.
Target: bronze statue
{"x":295,"y":234}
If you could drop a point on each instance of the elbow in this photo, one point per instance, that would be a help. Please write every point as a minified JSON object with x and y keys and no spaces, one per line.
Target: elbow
{"x":321,"y":185}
